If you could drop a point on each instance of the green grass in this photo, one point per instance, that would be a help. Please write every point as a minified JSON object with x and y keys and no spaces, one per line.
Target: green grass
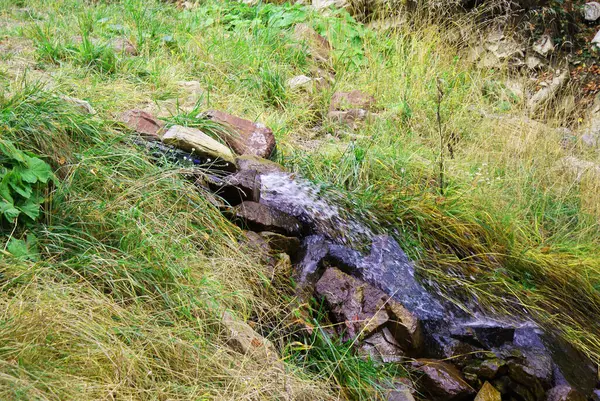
{"x":135,"y":265}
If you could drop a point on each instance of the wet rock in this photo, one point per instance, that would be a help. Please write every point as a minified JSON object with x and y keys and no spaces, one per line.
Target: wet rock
{"x":197,"y":142}
{"x":442,"y":381}
{"x":313,"y":252}
{"x":82,"y":105}
{"x":247,"y":138}
{"x":484,"y":334}
{"x":382,"y":346}
{"x":237,"y":188}
{"x":355,"y":304}
{"x":388,"y":268}
{"x":319,"y":47}
{"x":488,"y":393}
{"x":595,"y":395}
{"x":544,"y":45}
{"x":533,"y":371}
{"x":143,"y":123}
{"x":441,"y":345}
{"x":243,"y":339}
{"x":564,"y":393}
{"x":258,"y":164}
{"x":281,"y":243}
{"x":591,"y":11}
{"x":124,"y":46}
{"x":486,"y":369}
{"x":260,"y":217}
{"x":351,"y":100}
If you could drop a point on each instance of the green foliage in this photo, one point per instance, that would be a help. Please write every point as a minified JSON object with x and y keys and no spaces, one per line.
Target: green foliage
{"x":22,"y":180}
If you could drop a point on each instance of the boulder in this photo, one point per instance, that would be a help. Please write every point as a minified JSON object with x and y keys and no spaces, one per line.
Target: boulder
{"x":259,"y":217}
{"x":318,"y":46}
{"x":281,"y":243}
{"x":564,"y":393}
{"x":247,"y":137}
{"x":258,"y":164}
{"x":143,"y":123}
{"x":402,"y":392}
{"x":197,"y":142}
{"x":351,"y":100}
{"x":488,"y":393}
{"x":442,"y":381}
{"x":591,"y":11}
{"x":348,"y":117}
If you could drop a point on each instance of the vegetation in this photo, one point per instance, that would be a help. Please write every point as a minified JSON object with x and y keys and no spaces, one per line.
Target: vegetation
{"x":115,"y":290}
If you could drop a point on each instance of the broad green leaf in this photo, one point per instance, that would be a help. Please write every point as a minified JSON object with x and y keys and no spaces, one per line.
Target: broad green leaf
{"x":18,"y":248}
{"x":30,"y":209}
{"x":9,"y":211}
{"x":40,"y":168}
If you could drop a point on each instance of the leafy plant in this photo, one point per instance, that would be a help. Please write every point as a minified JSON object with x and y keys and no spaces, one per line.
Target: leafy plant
{"x":22,"y":177}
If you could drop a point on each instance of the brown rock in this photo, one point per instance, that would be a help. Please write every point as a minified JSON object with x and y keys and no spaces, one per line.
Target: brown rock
{"x":319,"y":47}
{"x":258,"y":164}
{"x":261,"y":217}
{"x":442,"y":381}
{"x":143,"y":123}
{"x":237,"y":188}
{"x":247,"y":137}
{"x":488,"y":393}
{"x":124,"y":46}
{"x":281,"y":243}
{"x":365,"y":309}
{"x":564,"y":393}
{"x":382,"y":346}
{"x":84,"y":106}
{"x":351,"y":100}
{"x":243,"y":339}
{"x":486,"y":369}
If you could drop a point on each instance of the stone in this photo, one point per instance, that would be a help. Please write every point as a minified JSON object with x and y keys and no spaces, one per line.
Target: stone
{"x":124,"y":46}
{"x":237,"y":188}
{"x":365,"y":309}
{"x":143,"y":123}
{"x":322,"y":4}
{"x":351,"y":100}
{"x":197,"y":142}
{"x":192,"y":87}
{"x":564,"y":393}
{"x":82,"y":105}
{"x":402,"y":392}
{"x":486,"y":369}
{"x":348,"y":117}
{"x":382,"y":347}
{"x":596,"y":39}
{"x":488,"y":393}
{"x":281,"y":243}
{"x":591,"y":11}
{"x":243,"y":339}
{"x":259,"y":217}
{"x":258,"y":164}
{"x":581,"y":168}
{"x":544,"y":45}
{"x":247,"y":137}
{"x":355,"y":304}
{"x":533,"y":63}
{"x":300,"y":81}
{"x":533,"y":371}
{"x":318,"y":46}
{"x":547,"y":93}
{"x":442,"y":381}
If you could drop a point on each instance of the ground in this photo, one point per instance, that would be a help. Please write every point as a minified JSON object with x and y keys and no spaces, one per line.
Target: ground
{"x":120,"y":297}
